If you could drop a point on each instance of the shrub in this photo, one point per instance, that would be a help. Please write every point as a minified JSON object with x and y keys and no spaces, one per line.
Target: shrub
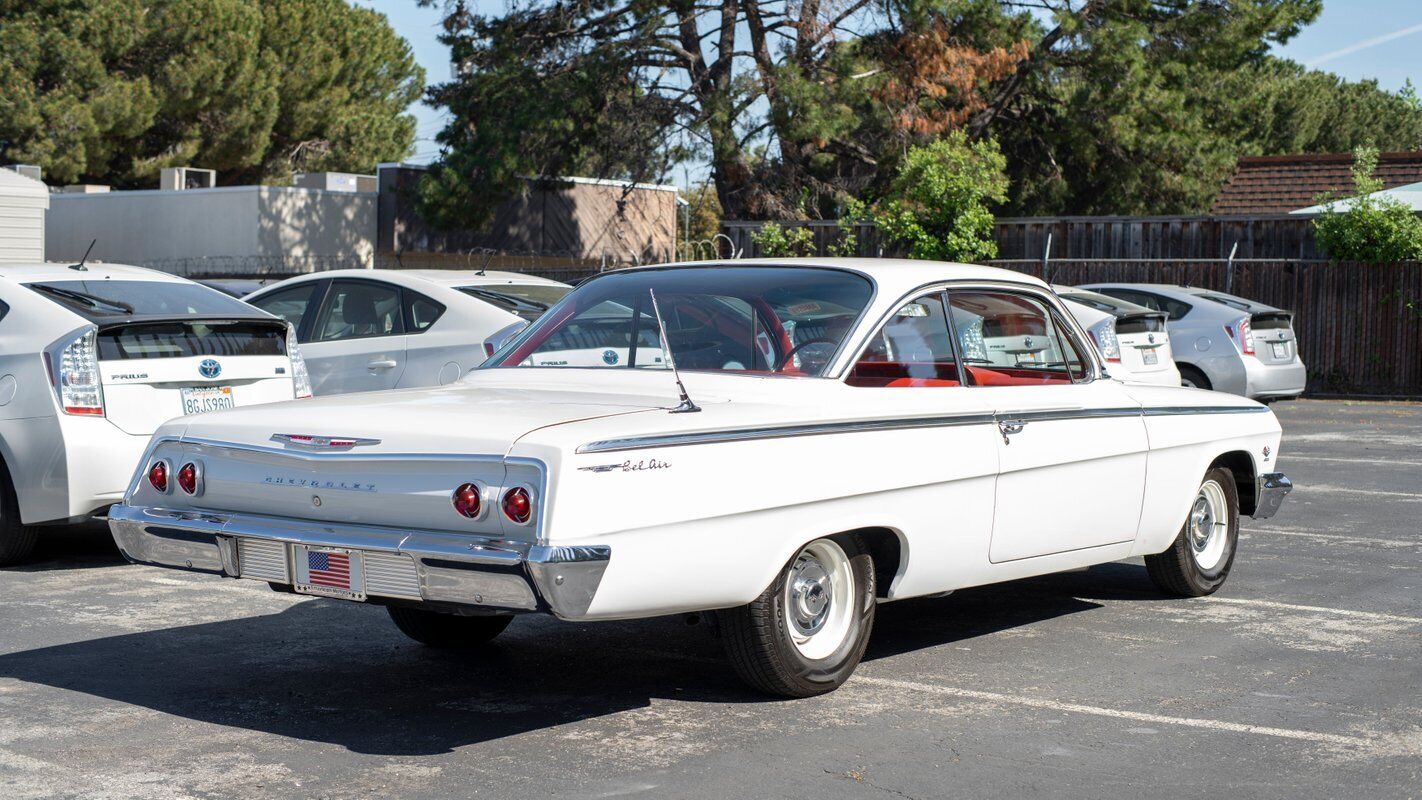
{"x":1371,"y":229}
{"x":937,"y":204}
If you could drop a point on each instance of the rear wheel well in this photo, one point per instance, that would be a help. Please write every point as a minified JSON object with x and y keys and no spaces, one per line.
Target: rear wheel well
{"x":1242,"y":466}
{"x":886,"y":549}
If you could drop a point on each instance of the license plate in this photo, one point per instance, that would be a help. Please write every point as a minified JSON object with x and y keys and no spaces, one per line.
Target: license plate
{"x":202,"y":399}
{"x":1149,"y":357}
{"x":1280,"y":349}
{"x":329,"y":572}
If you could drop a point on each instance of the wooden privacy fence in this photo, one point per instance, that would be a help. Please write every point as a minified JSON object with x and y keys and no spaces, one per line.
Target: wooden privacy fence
{"x":1268,"y":236}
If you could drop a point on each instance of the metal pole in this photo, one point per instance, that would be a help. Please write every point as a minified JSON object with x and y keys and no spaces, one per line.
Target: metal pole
{"x":1229,"y":269}
{"x":1046,"y":258}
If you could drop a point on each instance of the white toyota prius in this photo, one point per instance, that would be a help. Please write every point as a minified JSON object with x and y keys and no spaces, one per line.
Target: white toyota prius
{"x":93,"y":358}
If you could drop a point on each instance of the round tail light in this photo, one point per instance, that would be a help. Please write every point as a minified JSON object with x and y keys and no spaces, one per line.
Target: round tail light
{"x":518,"y":506}
{"x":158,"y":476}
{"x":466,"y":500}
{"x":188,"y":478}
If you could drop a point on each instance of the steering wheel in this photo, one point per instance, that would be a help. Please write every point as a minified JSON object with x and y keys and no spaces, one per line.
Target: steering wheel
{"x":797,"y":348}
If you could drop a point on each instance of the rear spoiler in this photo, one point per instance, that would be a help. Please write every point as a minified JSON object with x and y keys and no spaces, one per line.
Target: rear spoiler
{"x":108,"y":323}
{"x":1140,"y":321}
{"x":1265,"y":320}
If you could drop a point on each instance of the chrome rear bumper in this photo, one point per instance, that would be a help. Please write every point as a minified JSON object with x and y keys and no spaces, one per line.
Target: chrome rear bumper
{"x":1269,"y":494}
{"x":469,"y":572}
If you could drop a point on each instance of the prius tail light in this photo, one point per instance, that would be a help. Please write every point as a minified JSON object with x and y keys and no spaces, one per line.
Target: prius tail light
{"x":74,"y":373}
{"x":1242,"y":333}
{"x":518,"y":505}
{"x":300,"y":377}
{"x":1106,"y":341}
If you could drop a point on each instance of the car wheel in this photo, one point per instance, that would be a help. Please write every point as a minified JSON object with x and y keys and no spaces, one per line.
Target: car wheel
{"x":17,"y":541}
{"x":1200,"y":558}
{"x":805,"y":634}
{"x":1192,"y":378}
{"x":446,"y":631}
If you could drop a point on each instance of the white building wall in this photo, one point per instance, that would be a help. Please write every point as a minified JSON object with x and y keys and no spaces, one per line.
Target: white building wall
{"x":23,"y":202}
{"x":238,"y":230}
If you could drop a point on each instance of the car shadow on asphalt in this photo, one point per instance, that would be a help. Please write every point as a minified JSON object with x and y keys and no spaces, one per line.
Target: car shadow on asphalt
{"x":339,"y":673}
{"x":64,"y":547}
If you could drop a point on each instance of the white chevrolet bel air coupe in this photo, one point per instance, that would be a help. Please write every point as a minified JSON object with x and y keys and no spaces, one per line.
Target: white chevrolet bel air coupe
{"x":782,"y":444}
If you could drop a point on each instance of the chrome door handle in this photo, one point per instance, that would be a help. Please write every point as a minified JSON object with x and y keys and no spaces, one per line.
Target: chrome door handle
{"x":1008,"y":427}
{"x":384,"y":363}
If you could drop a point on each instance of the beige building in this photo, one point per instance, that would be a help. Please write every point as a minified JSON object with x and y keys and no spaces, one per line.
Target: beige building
{"x":23,"y":202}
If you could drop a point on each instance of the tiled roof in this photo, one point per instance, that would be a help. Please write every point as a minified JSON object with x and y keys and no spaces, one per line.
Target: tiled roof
{"x":1280,"y":184}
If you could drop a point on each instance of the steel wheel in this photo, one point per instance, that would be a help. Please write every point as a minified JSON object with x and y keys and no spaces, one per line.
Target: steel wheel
{"x":1199,"y":559}
{"x":805,"y":633}
{"x":819,"y":599}
{"x":1208,"y":527}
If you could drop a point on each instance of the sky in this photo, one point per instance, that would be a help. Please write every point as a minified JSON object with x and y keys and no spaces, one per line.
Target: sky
{"x":1357,"y":39}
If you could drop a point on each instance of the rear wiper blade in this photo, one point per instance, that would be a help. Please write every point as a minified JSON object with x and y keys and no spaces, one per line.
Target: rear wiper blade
{"x":92,"y":301}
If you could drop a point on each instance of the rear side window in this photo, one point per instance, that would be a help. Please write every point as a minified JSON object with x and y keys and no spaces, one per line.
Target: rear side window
{"x":1012,"y":340}
{"x":4,"y":309}
{"x":913,"y":349}
{"x":289,"y":304}
{"x":420,"y":311}
{"x":358,"y":310}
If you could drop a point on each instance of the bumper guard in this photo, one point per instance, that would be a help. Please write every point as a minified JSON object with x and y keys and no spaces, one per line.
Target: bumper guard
{"x":1269,"y":494}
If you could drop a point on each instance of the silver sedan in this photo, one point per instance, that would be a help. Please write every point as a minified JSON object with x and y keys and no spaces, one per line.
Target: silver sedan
{"x":1224,"y":342}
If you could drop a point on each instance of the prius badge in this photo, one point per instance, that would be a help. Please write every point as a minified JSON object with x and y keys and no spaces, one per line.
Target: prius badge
{"x":325,"y":443}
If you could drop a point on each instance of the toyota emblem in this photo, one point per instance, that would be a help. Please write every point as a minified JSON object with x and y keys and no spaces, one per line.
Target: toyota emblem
{"x":209,"y":368}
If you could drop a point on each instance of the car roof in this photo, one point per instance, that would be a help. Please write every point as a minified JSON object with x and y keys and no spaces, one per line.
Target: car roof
{"x":893,"y":275}
{"x":1187,"y":293}
{"x":93,"y":270}
{"x":413,"y":278}
{"x":1121,"y":307}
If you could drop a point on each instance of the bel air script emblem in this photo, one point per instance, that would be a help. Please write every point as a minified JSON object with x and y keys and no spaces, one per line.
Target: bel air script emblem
{"x":641,"y":465}
{"x":209,"y":368}
{"x":306,"y":441}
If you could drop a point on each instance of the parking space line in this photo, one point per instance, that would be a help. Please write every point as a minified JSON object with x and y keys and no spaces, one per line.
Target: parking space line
{"x":1377,"y":461}
{"x":1116,"y":713}
{"x":1324,"y":488}
{"x":1342,"y":612}
{"x":1340,"y":537}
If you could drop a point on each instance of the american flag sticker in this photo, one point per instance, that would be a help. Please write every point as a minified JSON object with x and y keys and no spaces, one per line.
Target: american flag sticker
{"x":328,"y":569}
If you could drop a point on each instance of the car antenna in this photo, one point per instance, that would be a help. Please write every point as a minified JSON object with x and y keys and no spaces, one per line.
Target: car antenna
{"x":488,"y":256}
{"x":80,"y":266}
{"x":686,"y":406}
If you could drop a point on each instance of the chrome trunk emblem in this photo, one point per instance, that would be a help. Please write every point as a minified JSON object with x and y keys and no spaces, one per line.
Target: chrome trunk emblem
{"x":308,"y":442}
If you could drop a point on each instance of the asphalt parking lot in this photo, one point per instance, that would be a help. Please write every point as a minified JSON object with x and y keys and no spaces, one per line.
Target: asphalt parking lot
{"x":1301,"y":678}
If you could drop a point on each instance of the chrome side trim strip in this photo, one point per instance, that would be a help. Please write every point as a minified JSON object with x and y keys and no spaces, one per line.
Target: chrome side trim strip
{"x":902,"y":423}
{"x":1171,"y":411}
{"x":782,"y":432}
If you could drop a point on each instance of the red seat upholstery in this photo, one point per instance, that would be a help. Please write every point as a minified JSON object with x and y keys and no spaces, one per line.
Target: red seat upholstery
{"x":902,"y":382}
{"x":982,"y":376}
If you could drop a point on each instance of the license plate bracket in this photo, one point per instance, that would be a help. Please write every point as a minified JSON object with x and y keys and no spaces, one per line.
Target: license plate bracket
{"x":1150,"y":357}
{"x":203,"y":399}
{"x":329,"y":572}
{"x":1279,"y":349}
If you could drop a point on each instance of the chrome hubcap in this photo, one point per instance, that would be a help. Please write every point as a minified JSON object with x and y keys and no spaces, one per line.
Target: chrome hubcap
{"x":1208,"y":527}
{"x":818,"y":599}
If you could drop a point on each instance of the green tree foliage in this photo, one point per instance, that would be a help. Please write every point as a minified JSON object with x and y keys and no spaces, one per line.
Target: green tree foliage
{"x":774,"y":240}
{"x":111,"y":91}
{"x":1100,"y":106}
{"x":1368,"y":228}
{"x":937,"y":206}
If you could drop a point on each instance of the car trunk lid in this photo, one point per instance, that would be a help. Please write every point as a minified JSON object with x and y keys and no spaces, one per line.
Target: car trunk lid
{"x":1145,"y":344}
{"x":155,"y":369}
{"x":1274,"y":340}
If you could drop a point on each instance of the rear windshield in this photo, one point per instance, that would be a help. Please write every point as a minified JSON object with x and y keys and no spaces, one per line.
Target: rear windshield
{"x":755,"y":319}
{"x":108,"y":299}
{"x":526,"y":300}
{"x":180,"y":339}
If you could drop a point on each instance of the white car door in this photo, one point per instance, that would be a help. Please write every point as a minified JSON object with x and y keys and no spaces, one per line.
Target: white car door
{"x":358,"y":341}
{"x":1072,"y":450}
